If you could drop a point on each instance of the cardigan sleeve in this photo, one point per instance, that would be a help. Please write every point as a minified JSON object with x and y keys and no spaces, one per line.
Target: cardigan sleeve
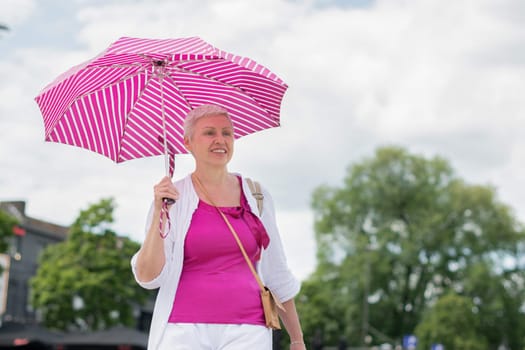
{"x":273,"y":266}
{"x":180,"y":213}
{"x":155,"y":282}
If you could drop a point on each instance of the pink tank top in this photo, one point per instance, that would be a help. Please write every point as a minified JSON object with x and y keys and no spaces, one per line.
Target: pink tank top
{"x":216,"y":284}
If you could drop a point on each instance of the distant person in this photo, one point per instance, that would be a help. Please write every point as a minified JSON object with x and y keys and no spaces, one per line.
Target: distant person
{"x":208,"y":298}
{"x":342,"y":344}
{"x":317,"y":342}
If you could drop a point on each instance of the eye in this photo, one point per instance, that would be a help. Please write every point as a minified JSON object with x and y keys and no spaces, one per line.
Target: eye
{"x":227,"y":133}
{"x":209,"y":132}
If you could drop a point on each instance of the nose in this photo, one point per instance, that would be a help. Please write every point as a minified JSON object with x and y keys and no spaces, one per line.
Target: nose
{"x":219,"y":139}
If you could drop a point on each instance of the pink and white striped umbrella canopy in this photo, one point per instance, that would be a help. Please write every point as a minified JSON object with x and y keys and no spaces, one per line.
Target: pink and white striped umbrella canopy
{"x":120,"y":103}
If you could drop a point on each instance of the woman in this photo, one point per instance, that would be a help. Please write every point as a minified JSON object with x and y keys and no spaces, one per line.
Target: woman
{"x":208,"y":298}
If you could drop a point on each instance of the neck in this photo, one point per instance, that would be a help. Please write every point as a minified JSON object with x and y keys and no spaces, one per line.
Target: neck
{"x":214,"y":177}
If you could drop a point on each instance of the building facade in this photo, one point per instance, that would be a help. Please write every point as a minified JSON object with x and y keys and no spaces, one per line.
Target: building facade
{"x":29,"y":238}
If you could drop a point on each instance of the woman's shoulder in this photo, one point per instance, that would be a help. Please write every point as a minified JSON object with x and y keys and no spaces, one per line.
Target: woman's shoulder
{"x":185,"y":187}
{"x":255,"y":185}
{"x":184,"y":181}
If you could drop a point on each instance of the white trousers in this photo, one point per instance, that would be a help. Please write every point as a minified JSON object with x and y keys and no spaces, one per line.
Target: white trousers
{"x":206,"y":336}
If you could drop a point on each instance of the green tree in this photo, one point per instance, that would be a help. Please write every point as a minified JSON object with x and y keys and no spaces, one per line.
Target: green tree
{"x":402,"y":231}
{"x":85,"y":282}
{"x":7,"y":222}
{"x":454,"y":322}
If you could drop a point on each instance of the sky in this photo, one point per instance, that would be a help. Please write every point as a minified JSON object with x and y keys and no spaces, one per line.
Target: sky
{"x":439,"y":78}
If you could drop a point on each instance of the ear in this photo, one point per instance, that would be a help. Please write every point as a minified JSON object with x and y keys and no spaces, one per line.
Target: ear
{"x":187,"y":143}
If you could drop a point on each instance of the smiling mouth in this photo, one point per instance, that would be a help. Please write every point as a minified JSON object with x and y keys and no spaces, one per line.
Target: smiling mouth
{"x":219,"y":151}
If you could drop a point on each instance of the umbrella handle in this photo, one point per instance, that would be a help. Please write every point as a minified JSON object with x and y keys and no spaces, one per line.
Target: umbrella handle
{"x":168,"y":201}
{"x":165,"y":200}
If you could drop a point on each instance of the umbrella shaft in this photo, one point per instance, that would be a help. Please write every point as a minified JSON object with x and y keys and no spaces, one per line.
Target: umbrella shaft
{"x":166,"y":157}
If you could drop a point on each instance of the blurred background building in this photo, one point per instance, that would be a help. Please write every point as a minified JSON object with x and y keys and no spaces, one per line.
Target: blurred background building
{"x":29,"y":238}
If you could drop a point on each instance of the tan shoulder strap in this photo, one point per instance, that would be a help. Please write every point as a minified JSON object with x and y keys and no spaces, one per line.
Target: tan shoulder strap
{"x":255,"y":188}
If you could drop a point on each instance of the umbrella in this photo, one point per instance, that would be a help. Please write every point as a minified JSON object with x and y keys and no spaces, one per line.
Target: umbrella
{"x":130,"y":101}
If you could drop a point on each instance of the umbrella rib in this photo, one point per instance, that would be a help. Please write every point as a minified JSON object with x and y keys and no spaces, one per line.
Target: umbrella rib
{"x":104,"y":87}
{"x":181,"y":69}
{"x":238,"y":89}
{"x":148,"y":79}
{"x":141,"y":69}
{"x":91,"y":92}
{"x":178,"y":89}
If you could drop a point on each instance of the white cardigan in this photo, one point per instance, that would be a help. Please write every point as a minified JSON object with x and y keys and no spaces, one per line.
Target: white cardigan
{"x":272,"y":267}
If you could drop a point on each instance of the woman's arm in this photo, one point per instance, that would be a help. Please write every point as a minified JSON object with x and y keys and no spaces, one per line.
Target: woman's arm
{"x":278,"y":277}
{"x":151,"y":256}
{"x":292,"y":324}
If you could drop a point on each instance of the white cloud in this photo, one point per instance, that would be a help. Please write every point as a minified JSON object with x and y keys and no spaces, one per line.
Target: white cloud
{"x":16,"y":11}
{"x":436,"y":78}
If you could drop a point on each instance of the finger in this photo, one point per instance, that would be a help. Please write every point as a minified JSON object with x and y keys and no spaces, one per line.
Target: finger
{"x":166,"y":191}
{"x":172,"y":192}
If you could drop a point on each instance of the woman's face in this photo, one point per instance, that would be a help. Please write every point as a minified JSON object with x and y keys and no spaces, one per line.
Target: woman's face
{"x":212,"y":140}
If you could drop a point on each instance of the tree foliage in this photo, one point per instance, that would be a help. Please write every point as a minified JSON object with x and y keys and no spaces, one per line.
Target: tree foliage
{"x":402,"y":231}
{"x":85,"y":282}
{"x":453,"y":322}
{"x":7,"y":222}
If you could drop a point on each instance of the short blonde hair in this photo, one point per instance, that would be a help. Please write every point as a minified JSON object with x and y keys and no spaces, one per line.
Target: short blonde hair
{"x":202,"y":111}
